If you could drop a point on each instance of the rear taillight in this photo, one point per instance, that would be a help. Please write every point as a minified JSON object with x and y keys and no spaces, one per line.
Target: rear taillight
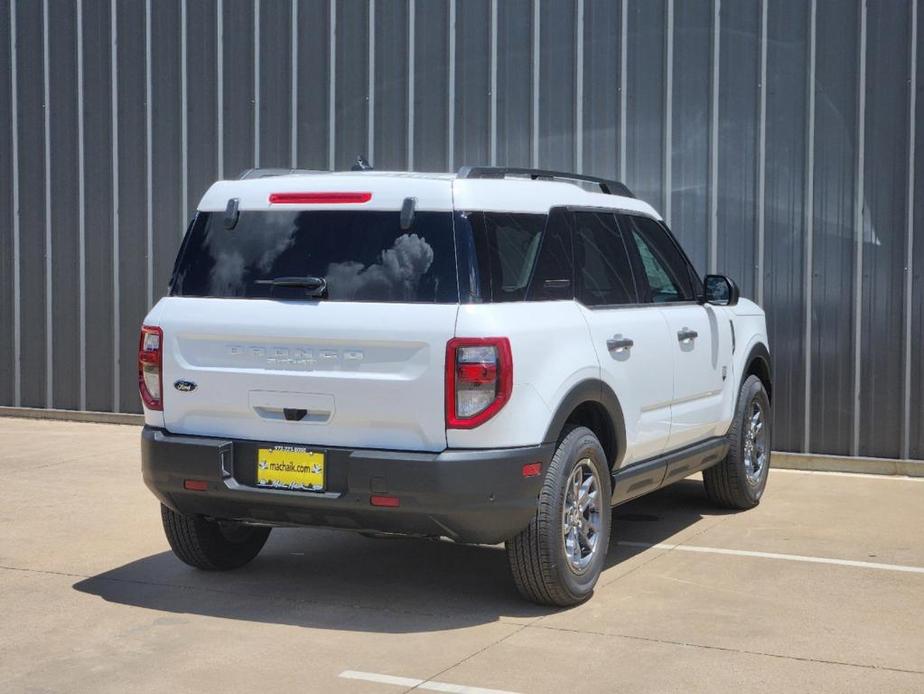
{"x":150,"y":363}
{"x":479,"y":378}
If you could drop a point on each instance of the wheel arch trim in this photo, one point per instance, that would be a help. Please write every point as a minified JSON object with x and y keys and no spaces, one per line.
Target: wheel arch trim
{"x":761,"y":355}
{"x":590,"y":390}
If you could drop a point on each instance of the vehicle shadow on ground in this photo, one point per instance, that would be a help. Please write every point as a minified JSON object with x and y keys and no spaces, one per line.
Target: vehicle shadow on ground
{"x":340,"y":580}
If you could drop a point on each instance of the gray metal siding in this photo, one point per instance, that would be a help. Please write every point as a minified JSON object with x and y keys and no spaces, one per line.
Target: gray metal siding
{"x":130,"y":245}
{"x":312,"y":98}
{"x":166,"y":104}
{"x":830,"y":395}
{"x":739,"y":76}
{"x":63,"y":178}
{"x":645,"y":100}
{"x":391,"y":86}
{"x":352,"y":87}
{"x":783,"y":271}
{"x":7,"y":307}
{"x":275,"y":82}
{"x":431,"y":88}
{"x":31,"y":161}
{"x":779,"y":138}
{"x":916,"y":394}
{"x":689,"y":187}
{"x":98,"y":191}
{"x":885,"y":202}
{"x":514,"y":82}
{"x":472,"y":82}
{"x":557,"y":67}
{"x":202,"y":101}
{"x":237,"y":85}
{"x":601,"y":116}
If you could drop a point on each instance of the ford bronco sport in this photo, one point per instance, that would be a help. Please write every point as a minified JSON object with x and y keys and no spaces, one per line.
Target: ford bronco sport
{"x":498,"y":355}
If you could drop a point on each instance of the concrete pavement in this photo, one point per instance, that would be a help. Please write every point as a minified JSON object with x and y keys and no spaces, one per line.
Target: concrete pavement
{"x":91,"y":599}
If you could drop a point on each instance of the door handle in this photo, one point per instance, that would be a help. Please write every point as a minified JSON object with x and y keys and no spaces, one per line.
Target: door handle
{"x":687,"y":335}
{"x":619,"y":344}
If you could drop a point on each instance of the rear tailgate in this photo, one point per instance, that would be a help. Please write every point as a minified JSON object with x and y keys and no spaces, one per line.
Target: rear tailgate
{"x":366,"y":375}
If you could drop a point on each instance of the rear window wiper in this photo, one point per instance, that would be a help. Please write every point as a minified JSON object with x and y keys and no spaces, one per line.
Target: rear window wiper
{"x":313,"y":286}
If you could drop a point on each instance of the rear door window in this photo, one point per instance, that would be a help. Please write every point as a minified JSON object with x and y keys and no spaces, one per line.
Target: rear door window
{"x":603,"y":269}
{"x":363,"y":256}
{"x":553,"y":278}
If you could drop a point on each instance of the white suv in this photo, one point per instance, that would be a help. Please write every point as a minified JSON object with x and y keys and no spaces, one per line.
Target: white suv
{"x":498,"y":355}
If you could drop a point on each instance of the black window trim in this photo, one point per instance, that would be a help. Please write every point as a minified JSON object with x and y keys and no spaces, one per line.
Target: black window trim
{"x":179,"y":254}
{"x":697,"y":299}
{"x":574,"y":210}
{"x":637,"y":213}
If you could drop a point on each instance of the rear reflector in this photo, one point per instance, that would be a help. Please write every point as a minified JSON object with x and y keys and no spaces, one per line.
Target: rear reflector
{"x":318,"y":198}
{"x":387,"y":501}
{"x":195,"y":485}
{"x":532,"y":469}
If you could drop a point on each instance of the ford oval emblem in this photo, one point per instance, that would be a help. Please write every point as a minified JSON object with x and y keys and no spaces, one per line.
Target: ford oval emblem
{"x":185,"y":386}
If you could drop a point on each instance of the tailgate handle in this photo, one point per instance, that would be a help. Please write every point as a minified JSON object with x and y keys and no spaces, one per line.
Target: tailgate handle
{"x":282,"y":406}
{"x":293,"y":415}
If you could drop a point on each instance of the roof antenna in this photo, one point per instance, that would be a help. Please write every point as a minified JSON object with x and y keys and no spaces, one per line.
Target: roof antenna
{"x":361,"y":164}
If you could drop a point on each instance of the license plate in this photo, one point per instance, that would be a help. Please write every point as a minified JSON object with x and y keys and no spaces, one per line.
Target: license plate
{"x":290,"y":467}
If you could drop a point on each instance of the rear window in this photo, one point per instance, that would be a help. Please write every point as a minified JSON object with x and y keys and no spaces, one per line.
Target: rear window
{"x":506,"y":248}
{"x":362,"y":256}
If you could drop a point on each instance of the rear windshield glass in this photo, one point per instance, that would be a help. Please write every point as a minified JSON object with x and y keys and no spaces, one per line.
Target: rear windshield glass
{"x":362,"y":256}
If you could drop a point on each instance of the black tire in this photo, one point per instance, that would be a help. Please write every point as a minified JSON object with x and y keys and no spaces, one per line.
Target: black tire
{"x":541,"y":570}
{"x":729,"y":484}
{"x":210,"y":545}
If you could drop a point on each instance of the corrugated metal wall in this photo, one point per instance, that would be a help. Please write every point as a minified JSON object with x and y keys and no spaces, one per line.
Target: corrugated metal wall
{"x":778,"y":137}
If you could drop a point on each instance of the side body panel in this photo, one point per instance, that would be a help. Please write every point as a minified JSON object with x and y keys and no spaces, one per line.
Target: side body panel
{"x":641,"y":375}
{"x":702,"y":369}
{"x":552,"y":352}
{"x":750,"y":331}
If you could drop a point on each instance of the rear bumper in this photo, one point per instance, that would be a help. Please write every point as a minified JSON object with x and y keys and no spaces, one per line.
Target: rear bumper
{"x":477,"y":496}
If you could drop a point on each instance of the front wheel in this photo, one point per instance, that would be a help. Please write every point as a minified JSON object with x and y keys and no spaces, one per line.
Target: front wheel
{"x":739,"y":481}
{"x":212,"y":545}
{"x":558,"y":558}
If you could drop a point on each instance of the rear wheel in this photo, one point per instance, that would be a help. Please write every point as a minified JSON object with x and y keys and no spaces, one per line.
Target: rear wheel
{"x":739,"y":481}
{"x":558,"y":558}
{"x":212,"y":545}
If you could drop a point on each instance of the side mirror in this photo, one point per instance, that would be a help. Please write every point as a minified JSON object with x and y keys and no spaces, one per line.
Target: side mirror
{"x":721,"y":290}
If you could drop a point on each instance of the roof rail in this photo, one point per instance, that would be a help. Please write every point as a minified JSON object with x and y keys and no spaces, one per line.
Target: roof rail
{"x":266,"y":173}
{"x":606,"y":186}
